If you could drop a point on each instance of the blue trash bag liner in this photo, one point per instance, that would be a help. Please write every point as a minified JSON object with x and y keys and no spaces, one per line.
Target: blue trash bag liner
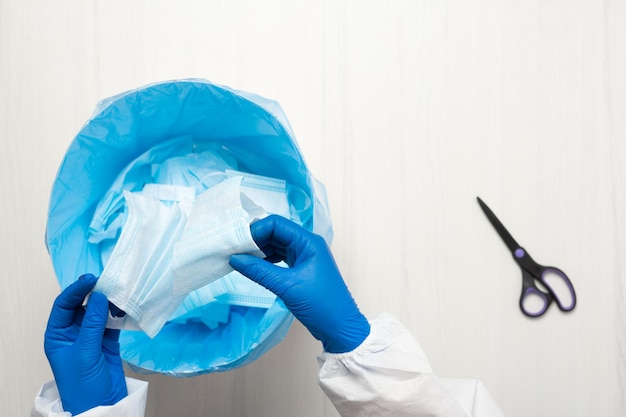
{"x":129,"y":138}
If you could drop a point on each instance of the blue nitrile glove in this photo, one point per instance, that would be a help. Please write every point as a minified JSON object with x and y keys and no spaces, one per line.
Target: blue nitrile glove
{"x":84,"y":356}
{"x":312,"y":287}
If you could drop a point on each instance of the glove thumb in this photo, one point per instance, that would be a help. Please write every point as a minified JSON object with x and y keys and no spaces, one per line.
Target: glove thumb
{"x":94,"y":323}
{"x":259,"y":270}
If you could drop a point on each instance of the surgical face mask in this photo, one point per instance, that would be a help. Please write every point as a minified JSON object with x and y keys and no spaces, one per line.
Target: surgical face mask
{"x":233,"y":288}
{"x":172,"y":194}
{"x":212,"y":315}
{"x":108,"y":217}
{"x":211,"y":304}
{"x":242,"y":291}
{"x":162,"y":255}
{"x":269,"y":193}
{"x":138,"y":277}
{"x":218,"y":226}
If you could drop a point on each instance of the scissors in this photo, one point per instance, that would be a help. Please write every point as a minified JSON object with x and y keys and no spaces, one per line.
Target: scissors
{"x":535,"y":276}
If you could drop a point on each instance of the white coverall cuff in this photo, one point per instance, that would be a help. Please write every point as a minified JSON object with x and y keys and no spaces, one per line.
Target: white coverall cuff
{"x":389,"y":374}
{"x":385,"y":330}
{"x":48,"y":403}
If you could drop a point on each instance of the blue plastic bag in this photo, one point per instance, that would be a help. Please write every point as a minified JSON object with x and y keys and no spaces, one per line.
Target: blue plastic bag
{"x":139,"y":133}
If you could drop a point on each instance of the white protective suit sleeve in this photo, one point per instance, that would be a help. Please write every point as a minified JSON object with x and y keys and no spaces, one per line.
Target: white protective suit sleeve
{"x":389,"y":375}
{"x":48,"y":404}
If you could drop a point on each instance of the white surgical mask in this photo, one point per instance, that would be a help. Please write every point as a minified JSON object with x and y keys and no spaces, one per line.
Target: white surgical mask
{"x":172,"y":259}
{"x":172,"y":194}
{"x":269,"y":193}
{"x":218,"y":226}
{"x":138,"y":277}
{"x":211,"y":315}
{"x":242,"y":291}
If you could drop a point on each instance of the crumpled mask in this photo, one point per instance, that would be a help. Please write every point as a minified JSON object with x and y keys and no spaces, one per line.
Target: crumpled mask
{"x":162,"y":255}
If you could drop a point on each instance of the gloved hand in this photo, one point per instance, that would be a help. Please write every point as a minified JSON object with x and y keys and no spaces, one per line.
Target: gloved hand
{"x":84,"y":356}
{"x":311,"y":288}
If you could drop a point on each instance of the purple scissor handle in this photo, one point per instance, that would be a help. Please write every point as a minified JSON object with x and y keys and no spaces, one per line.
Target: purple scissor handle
{"x":534,"y":300}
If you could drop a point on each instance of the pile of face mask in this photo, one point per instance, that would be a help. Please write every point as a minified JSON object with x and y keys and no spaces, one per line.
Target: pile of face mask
{"x":167,"y":230}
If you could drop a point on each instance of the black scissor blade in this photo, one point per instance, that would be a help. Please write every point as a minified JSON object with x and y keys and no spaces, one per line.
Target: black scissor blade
{"x":504,"y":234}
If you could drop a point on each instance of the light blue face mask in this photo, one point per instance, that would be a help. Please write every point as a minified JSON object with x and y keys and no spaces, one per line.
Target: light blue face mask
{"x":218,"y":227}
{"x":163,"y":253}
{"x":233,"y":288}
{"x":212,"y":315}
{"x":211,"y":304}
{"x":269,"y":193}
{"x":108,"y":216}
{"x":138,"y":277}
{"x":241,"y":291}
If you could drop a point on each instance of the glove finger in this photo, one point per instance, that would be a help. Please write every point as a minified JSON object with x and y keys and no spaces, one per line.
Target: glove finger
{"x":275,"y":231}
{"x":260,"y":271}
{"x":65,"y":305}
{"x":94,"y":323}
